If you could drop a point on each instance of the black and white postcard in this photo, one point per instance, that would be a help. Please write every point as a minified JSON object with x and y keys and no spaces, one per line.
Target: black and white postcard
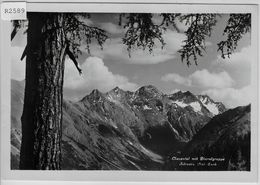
{"x":159,"y":89}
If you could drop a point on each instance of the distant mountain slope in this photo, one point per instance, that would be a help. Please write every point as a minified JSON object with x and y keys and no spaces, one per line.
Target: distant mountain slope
{"x":88,"y":141}
{"x":121,"y":129}
{"x":17,"y":91}
{"x":214,"y":107}
{"x":226,"y":136}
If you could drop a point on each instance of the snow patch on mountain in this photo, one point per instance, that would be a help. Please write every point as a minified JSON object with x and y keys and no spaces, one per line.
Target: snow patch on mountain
{"x":195,"y":105}
{"x":212,"y":108}
{"x":180,"y":103}
{"x":146,"y":107}
{"x":209,"y":104}
{"x":111,"y":99}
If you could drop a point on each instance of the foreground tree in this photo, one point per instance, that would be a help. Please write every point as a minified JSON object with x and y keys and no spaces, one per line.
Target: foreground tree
{"x":52,"y":36}
{"x":47,"y":45}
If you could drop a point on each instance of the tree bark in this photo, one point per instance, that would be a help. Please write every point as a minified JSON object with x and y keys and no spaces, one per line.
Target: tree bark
{"x":42,"y":111}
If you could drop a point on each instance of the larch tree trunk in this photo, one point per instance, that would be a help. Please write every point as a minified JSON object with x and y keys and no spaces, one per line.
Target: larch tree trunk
{"x":42,"y":111}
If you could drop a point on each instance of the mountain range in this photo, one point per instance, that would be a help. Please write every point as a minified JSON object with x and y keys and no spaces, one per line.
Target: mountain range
{"x":142,"y":130}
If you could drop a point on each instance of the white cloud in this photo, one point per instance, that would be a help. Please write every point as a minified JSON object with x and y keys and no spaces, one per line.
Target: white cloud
{"x":239,"y":65}
{"x":111,"y":28}
{"x":218,"y":86}
{"x":204,"y":78}
{"x":182,"y":26}
{"x":174,"y":91}
{"x":17,"y":66}
{"x":87,"y":21}
{"x":201,"y":78}
{"x":115,"y":49}
{"x":157,"y":19}
{"x":241,"y":59}
{"x":231,"y":97}
{"x":174,"y":77}
{"x":95,"y":76}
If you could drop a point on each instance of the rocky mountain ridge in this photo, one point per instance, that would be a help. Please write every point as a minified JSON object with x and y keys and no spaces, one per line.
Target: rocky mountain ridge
{"x":122,"y":129}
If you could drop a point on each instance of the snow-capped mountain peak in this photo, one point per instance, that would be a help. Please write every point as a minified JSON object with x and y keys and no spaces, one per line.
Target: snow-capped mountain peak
{"x":194,"y":105}
{"x":187,"y":99}
{"x":199,"y":103}
{"x":148,"y":91}
{"x":117,"y":90}
{"x":214,"y":107}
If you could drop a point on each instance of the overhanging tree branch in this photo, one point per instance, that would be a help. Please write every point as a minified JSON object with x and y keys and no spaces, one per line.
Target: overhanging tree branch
{"x":142,"y":32}
{"x":71,"y":56}
{"x":237,"y":26}
{"x":200,"y":26}
{"x":78,"y":32}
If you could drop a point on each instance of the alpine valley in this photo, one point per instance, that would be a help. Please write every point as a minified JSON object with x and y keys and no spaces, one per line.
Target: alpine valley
{"x":145,"y":130}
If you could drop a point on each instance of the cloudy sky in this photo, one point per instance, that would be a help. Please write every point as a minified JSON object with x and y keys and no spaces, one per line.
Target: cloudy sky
{"x":226,"y":80}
